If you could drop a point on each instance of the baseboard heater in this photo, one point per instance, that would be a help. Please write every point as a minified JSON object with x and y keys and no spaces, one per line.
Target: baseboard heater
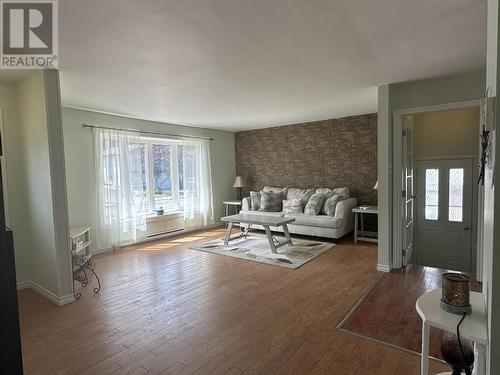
{"x":165,"y":232}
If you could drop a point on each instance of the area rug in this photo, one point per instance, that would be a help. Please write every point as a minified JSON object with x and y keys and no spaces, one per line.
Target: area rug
{"x":386,"y":311}
{"x":256,"y":248}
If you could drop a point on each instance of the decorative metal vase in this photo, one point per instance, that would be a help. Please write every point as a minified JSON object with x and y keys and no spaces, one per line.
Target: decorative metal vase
{"x":452,"y":354}
{"x":456,"y":297}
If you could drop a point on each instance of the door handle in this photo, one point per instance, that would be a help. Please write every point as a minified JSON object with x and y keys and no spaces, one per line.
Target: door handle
{"x":466,"y":228}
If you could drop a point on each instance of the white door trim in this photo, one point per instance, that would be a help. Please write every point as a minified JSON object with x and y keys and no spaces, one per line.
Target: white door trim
{"x":397,"y":164}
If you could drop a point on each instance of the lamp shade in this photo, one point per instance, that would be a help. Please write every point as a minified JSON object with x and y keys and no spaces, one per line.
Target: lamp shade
{"x":376,"y":186}
{"x":238,"y":182}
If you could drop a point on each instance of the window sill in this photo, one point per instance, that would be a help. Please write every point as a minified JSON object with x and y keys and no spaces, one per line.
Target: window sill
{"x":166,"y":215}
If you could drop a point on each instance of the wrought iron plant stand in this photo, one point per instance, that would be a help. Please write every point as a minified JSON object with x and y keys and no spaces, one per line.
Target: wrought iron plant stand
{"x":84,"y":272}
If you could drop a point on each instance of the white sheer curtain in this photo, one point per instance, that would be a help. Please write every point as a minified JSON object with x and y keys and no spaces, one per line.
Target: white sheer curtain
{"x":197,"y":176}
{"x":120,"y":185}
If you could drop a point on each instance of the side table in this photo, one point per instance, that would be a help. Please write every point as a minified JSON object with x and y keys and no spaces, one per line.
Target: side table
{"x":361,"y":234}
{"x":474,"y":326}
{"x":235,"y":204}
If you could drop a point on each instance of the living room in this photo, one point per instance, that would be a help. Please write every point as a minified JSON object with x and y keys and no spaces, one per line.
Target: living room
{"x":216,"y":188}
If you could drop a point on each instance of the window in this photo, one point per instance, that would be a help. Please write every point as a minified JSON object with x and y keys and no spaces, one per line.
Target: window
{"x":455,"y":194}
{"x":161,"y":174}
{"x":431,"y":194}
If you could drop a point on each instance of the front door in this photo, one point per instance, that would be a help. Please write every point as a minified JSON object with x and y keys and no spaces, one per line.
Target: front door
{"x":444,"y":214}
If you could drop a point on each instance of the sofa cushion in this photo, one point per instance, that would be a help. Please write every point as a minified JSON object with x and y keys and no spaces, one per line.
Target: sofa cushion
{"x":270,"y":201}
{"x":328,"y":192}
{"x":344,"y":191}
{"x":291,"y":206}
{"x":275,"y":189}
{"x":314,"y":204}
{"x":316,"y":220}
{"x":255,"y":200}
{"x":303,"y":194}
{"x":330,"y":205}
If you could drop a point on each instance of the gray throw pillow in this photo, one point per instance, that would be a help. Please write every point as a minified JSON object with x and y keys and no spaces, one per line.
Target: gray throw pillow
{"x":314,"y":204}
{"x":331,"y":204}
{"x":254,"y":200}
{"x":303,"y":194}
{"x":270,"y":201}
{"x":328,"y":192}
{"x":292,"y":206}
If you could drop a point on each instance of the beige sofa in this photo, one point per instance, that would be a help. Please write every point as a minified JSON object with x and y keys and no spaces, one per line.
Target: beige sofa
{"x":312,"y":225}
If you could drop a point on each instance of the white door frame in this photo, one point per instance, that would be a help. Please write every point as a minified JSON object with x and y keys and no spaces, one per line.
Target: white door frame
{"x":397,"y":164}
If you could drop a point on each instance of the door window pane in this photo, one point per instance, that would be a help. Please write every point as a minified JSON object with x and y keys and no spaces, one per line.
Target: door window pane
{"x":456,"y":194}
{"x":162,"y":177}
{"x":431,"y":194}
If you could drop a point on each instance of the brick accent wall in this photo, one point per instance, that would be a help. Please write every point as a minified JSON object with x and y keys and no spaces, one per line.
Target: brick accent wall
{"x":330,"y":153}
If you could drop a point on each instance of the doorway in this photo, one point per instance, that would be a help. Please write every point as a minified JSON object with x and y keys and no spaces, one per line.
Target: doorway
{"x":436,"y":150}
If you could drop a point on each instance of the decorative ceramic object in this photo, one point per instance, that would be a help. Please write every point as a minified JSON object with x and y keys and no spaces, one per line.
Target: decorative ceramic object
{"x":452,"y":353}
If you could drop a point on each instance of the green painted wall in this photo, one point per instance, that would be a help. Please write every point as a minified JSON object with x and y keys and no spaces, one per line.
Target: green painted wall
{"x":35,"y":185}
{"x":384,"y":157}
{"x":79,"y":159}
{"x":405,"y":95}
{"x":15,"y":176}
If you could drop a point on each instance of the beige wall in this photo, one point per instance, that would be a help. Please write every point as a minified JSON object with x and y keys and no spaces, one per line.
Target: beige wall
{"x":446,"y":133}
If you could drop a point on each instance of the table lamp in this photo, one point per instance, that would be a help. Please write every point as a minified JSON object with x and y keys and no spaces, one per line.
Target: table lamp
{"x":238,"y":184}
{"x":455,"y":297}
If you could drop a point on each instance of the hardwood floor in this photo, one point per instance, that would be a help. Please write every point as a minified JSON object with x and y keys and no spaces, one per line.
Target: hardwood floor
{"x":399,"y":325}
{"x":166,"y":309}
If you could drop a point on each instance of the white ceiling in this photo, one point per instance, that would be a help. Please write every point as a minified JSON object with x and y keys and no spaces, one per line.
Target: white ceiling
{"x":236,"y":64}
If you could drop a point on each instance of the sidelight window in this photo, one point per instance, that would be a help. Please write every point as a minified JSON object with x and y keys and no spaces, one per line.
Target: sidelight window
{"x":456,"y":194}
{"x":431,"y":194}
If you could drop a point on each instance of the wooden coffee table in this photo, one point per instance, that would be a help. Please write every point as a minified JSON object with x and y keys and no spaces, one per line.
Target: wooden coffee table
{"x":265,"y":221}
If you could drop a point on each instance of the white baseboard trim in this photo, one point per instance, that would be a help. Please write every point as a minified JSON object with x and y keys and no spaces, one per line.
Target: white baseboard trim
{"x":156,"y":238}
{"x":23,"y":285}
{"x":64,"y":300}
{"x":44,"y":292}
{"x":102,"y":251}
{"x":383,"y":268}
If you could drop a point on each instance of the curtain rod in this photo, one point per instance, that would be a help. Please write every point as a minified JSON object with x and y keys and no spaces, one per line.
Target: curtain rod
{"x":148,"y":132}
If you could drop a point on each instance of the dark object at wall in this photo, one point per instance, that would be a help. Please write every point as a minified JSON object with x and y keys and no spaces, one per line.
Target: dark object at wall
{"x":11,"y":361}
{"x":485,"y":144}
